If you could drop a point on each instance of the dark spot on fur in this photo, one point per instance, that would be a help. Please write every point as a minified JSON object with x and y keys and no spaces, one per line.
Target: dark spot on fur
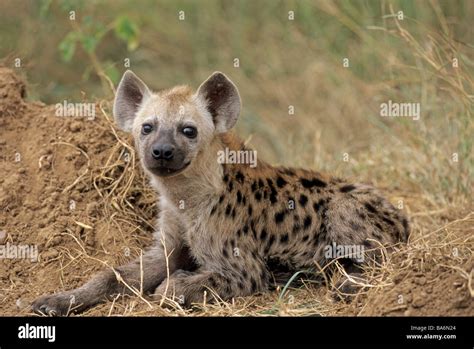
{"x":240,"y":177}
{"x":279,"y":217}
{"x":245,"y":229}
{"x":307,"y":222}
{"x":260,"y":183}
{"x":213,"y":210}
{"x":405,"y":226}
{"x":239,"y":197}
{"x":281,"y":182}
{"x":296,"y":228}
{"x":273,"y":198}
{"x":239,"y":233}
{"x":221,"y":198}
{"x":263,"y":234}
{"x":233,"y":212}
{"x":347,"y":188}
{"x":254,"y":186}
{"x":305,"y":238}
{"x":212,"y":282}
{"x":228,"y":210}
{"x":303,"y":200}
{"x":270,"y":242}
{"x":273,"y":192}
{"x":254,"y":231}
{"x":318,"y":205}
{"x":378,"y":226}
{"x":284,"y":238}
{"x":322,"y":232}
{"x":225,"y":253}
{"x":315,"y":182}
{"x":355,"y":226}
{"x":250,"y":210}
{"x":254,"y":285}
{"x":388,"y":220}
{"x":258,"y":196}
{"x":370,"y":208}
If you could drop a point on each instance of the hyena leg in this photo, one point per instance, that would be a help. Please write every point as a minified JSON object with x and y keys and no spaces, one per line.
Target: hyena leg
{"x":349,"y":236}
{"x":187,"y":288}
{"x":106,"y":284}
{"x":349,"y":284}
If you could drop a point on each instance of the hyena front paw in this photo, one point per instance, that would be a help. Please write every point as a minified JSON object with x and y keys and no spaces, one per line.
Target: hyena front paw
{"x":348,"y":287}
{"x":59,"y":304}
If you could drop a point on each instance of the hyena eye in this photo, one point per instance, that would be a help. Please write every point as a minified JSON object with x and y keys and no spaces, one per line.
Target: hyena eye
{"x":189,"y":132}
{"x":146,"y":129}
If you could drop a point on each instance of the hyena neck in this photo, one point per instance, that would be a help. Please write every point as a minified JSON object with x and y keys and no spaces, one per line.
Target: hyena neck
{"x":203,"y":181}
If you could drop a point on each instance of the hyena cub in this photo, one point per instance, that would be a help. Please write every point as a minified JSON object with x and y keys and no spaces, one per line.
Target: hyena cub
{"x":226,"y":229}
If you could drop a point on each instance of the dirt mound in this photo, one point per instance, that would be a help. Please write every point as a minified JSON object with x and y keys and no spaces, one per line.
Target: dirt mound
{"x":12,"y":92}
{"x":71,"y":187}
{"x":60,"y":177}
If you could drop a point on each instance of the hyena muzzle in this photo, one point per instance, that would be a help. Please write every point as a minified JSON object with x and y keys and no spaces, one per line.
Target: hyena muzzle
{"x":227,"y":228}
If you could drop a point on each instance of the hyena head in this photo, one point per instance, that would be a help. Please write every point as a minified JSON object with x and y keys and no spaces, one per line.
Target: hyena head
{"x":173,"y":128}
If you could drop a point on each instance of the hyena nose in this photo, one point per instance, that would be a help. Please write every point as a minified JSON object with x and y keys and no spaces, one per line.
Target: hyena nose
{"x":162,"y":151}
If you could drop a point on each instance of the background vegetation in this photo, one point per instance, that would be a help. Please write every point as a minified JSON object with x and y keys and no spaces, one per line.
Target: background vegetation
{"x":282,"y":62}
{"x":425,"y":54}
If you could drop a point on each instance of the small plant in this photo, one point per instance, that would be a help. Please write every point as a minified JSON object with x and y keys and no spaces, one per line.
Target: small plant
{"x":87,"y":33}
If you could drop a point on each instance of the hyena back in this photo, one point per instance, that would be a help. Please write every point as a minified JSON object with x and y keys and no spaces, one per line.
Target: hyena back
{"x":225,"y":228}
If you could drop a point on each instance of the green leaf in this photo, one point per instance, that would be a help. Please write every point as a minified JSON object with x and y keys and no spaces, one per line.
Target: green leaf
{"x":127,"y":30}
{"x":67,"y":47}
{"x":89,"y":43}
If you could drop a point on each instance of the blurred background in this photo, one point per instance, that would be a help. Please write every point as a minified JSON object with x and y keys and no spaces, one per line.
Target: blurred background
{"x":312,"y":75}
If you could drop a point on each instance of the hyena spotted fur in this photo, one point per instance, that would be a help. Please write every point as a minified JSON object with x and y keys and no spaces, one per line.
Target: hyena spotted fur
{"x":225,"y":230}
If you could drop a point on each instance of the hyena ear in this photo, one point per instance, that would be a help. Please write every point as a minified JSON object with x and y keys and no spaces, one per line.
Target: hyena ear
{"x":222,"y":101}
{"x":131,"y":93}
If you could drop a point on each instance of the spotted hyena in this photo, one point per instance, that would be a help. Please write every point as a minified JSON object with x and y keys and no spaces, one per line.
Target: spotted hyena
{"x":227,"y":228}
